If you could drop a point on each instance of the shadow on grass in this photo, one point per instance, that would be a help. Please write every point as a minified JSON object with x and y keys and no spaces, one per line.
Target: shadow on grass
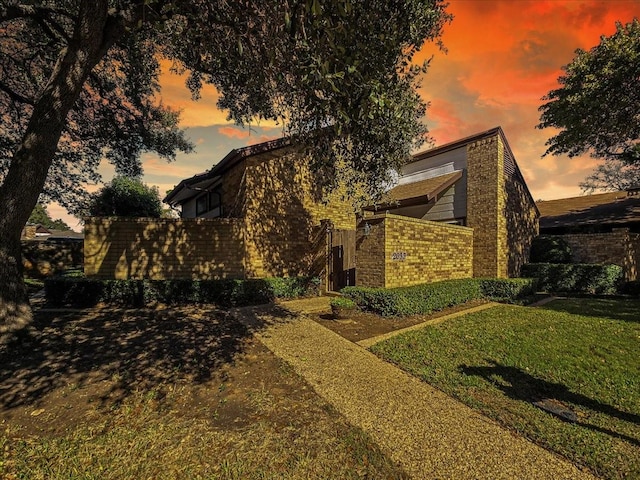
{"x":127,"y":349}
{"x":519,"y":385}
{"x":627,"y":310}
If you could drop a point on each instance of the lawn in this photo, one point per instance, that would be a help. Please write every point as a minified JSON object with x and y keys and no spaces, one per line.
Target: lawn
{"x":166,"y":393}
{"x":576,"y":359}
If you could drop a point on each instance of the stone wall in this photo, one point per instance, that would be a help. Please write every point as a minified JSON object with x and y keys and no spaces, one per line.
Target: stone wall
{"x":401,"y":251}
{"x":618,"y":247}
{"x":163,"y":248}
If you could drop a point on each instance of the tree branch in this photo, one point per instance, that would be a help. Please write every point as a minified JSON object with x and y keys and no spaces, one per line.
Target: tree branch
{"x":15,"y":96}
{"x":15,"y":11}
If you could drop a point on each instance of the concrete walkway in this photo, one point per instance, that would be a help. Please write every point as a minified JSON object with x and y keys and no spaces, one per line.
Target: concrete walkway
{"x":431,"y":435}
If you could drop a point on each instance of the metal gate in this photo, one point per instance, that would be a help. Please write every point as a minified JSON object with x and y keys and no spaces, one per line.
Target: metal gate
{"x":342,"y":259}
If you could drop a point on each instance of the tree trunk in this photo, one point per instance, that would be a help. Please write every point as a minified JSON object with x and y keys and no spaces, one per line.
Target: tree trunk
{"x":94,"y":33}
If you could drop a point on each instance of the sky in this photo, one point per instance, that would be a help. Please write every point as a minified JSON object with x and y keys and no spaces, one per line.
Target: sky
{"x":502,"y":57}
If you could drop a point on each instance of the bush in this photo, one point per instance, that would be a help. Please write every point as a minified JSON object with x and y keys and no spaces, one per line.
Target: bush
{"x":507,"y":289}
{"x":631,"y":287}
{"x":575,"y":278}
{"x":416,"y":299}
{"x":84,"y":292}
{"x":77,"y":292}
{"x":550,"y":249}
{"x":342,"y":302}
{"x":427,"y":298}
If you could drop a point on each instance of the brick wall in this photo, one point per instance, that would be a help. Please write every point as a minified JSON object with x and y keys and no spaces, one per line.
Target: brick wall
{"x":282,"y":217}
{"x":402,"y":251}
{"x":485,"y":176}
{"x":275,"y":229}
{"x":618,"y":247}
{"x":163,"y":248}
{"x":371,"y":252}
{"x":521,"y":224}
{"x":499,"y":209}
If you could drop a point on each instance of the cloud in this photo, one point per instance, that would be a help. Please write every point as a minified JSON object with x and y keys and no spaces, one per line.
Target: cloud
{"x":503,"y":57}
{"x":234,"y":132}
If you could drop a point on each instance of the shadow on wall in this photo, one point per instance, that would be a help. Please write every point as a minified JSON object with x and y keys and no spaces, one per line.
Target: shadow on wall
{"x":522,"y":226}
{"x":282,"y":237}
{"x":163,"y":248}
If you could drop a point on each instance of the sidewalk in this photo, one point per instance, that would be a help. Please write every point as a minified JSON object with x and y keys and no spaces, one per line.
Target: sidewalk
{"x":431,"y":435}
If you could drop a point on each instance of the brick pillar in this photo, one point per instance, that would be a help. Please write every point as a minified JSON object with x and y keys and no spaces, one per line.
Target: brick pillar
{"x":486,"y":207}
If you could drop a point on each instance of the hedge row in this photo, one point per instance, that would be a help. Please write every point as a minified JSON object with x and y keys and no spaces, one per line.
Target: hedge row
{"x":576,"y":277}
{"x":427,"y":298}
{"x":85,"y":292}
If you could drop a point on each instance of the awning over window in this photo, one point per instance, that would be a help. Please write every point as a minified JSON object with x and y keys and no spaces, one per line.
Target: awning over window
{"x":418,"y":193}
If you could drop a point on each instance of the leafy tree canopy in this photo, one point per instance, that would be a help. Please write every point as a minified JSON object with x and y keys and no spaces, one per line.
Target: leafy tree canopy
{"x":40,"y":216}
{"x":79,"y":83}
{"x":126,"y":197}
{"x":597,"y":107}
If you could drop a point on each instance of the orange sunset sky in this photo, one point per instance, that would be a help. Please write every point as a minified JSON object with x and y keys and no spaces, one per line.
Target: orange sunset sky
{"x":503,"y":56}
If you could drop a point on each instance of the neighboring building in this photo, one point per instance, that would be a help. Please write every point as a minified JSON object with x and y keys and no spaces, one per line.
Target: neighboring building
{"x":597,"y":213}
{"x":600,"y":228}
{"x":458,"y":211}
{"x":36,"y":231}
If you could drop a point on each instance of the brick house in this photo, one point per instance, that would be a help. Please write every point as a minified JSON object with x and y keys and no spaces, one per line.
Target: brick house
{"x":474,"y":182}
{"x":255,"y":214}
{"x":599,"y":228}
{"x":459,"y":210}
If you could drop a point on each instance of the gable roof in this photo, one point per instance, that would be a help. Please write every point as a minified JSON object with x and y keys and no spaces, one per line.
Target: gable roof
{"x":492,"y":132}
{"x":420,"y":192}
{"x":191,"y":187}
{"x":461,"y":143}
{"x":615,"y":209}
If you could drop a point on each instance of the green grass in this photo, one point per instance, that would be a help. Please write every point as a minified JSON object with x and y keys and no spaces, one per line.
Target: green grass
{"x":582,"y":353}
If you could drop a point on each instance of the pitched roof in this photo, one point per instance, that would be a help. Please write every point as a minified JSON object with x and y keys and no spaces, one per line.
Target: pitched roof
{"x":612,"y":208}
{"x":420,"y":192}
{"x":192,"y":186}
{"x":474,"y":138}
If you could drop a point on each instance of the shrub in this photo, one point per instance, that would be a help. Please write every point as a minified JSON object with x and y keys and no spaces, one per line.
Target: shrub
{"x":77,"y":292}
{"x":84,"y":292}
{"x":575,"y":278}
{"x":416,"y":299}
{"x":550,"y":249}
{"x":342,"y":302}
{"x":431,"y":297}
{"x":292,"y":287}
{"x":507,"y":289}
{"x":631,"y":288}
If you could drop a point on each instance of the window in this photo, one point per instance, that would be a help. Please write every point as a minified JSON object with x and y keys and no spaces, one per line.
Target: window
{"x":215,"y":198}
{"x":208,"y":202}
{"x":202,"y":204}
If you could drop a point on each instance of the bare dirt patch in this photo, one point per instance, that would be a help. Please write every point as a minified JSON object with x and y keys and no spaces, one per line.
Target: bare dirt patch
{"x":360,"y":325}
{"x":166,"y":393}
